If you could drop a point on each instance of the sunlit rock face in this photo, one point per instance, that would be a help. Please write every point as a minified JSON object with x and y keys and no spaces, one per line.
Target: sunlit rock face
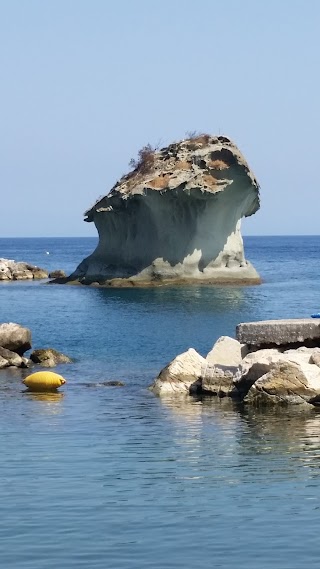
{"x":175,"y":218}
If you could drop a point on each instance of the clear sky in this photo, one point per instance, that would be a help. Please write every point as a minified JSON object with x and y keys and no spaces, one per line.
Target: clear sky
{"x":86,"y":83}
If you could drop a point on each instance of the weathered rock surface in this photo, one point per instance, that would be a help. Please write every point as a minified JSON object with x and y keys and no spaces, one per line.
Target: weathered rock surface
{"x":286,"y":383}
{"x":13,"y":270}
{"x":15,"y":340}
{"x":175,"y":219}
{"x":15,"y":337}
{"x":279,"y":332}
{"x":263,"y":375}
{"x":315,"y":357}
{"x":180,"y":374}
{"x":3,"y":363}
{"x":12,"y":358}
{"x":48,"y":357}
{"x":220,"y":380}
{"x":225,"y":352}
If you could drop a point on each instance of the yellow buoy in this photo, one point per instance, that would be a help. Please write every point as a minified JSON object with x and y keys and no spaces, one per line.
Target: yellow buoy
{"x":44,"y":381}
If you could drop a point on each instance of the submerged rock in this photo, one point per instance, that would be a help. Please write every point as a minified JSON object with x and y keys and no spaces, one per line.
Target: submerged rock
{"x":175,"y":219}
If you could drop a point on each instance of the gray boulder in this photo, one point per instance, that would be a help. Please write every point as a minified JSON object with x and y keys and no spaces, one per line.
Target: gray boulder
{"x":48,"y":357}
{"x":220,"y":380}
{"x":12,"y":358}
{"x":3,"y":363}
{"x":57,"y":274}
{"x":286,"y":383}
{"x":15,"y":337}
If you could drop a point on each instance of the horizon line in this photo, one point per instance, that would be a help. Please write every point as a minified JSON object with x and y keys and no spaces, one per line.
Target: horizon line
{"x":97,"y":236}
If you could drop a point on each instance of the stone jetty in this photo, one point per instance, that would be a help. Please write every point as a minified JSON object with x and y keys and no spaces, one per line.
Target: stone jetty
{"x":304,"y":331}
{"x":269,"y":362}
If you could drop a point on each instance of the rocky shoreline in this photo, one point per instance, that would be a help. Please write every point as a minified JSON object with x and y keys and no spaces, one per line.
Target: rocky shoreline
{"x":15,"y":341}
{"x":274,"y":362}
{"x":11,"y":270}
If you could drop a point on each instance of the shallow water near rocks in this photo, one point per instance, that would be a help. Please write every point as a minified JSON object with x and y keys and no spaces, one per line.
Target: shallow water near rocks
{"x":102,"y":476}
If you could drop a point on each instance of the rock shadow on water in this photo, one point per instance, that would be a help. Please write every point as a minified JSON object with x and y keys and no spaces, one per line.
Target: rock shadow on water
{"x":289,"y":437}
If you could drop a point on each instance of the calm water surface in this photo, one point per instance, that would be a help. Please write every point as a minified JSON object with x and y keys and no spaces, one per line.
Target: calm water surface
{"x":98,"y":476}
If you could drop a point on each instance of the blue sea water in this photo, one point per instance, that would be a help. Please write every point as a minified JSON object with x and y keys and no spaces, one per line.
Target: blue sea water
{"x":96,"y":476}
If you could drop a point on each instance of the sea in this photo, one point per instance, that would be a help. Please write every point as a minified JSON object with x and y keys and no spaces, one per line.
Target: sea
{"x":114,"y":477}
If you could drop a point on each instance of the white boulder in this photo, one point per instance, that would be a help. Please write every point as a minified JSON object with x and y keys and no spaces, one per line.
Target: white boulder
{"x":179,"y":375}
{"x":226,"y":352}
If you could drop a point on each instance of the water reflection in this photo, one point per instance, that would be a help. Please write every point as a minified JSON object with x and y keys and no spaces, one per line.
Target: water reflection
{"x":52,"y":397}
{"x":214,"y":297}
{"x":284,"y":441}
{"x":45,"y":403}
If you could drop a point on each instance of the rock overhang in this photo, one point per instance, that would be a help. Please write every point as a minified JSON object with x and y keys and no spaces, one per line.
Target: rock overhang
{"x":181,"y":200}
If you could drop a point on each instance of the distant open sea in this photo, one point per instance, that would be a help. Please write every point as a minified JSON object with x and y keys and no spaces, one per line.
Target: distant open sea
{"x":100,"y":477}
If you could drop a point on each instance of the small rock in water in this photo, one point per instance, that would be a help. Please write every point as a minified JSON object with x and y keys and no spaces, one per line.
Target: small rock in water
{"x":58,"y":274}
{"x":111,"y":383}
{"x":48,"y":357}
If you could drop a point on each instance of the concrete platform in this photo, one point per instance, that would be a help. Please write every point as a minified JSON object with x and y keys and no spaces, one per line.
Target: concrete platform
{"x":300,"y":331}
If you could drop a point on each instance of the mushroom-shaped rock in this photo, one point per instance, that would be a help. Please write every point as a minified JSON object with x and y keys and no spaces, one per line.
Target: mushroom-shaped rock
{"x":15,"y":337}
{"x":48,"y":357}
{"x":44,"y":381}
{"x":175,"y":218}
{"x":180,"y":374}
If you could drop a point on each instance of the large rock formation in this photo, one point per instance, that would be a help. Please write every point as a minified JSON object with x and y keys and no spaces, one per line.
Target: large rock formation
{"x":175,"y":218}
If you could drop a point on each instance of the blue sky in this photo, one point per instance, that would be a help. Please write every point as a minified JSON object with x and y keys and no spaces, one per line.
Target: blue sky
{"x":86,"y":83}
